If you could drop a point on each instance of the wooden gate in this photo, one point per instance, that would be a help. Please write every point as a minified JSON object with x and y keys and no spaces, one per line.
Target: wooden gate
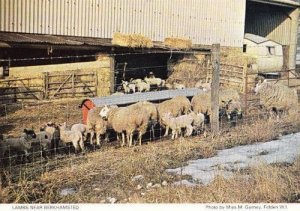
{"x":71,"y":84}
{"x":12,"y":90}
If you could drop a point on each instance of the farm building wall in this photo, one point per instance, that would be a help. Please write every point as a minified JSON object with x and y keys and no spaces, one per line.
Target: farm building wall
{"x":155,"y":19}
{"x":276,"y":23}
{"x":102,"y":68}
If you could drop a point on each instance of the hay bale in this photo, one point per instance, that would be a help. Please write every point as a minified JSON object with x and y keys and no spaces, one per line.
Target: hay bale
{"x":178,"y":43}
{"x":187,"y":71}
{"x":131,"y":40}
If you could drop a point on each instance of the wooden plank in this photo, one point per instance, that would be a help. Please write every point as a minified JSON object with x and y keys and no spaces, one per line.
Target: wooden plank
{"x":59,"y":88}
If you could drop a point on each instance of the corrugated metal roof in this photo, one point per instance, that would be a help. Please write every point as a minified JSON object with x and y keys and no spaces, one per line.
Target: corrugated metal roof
{"x":288,"y":3}
{"x":255,"y":38}
{"x":145,"y":96}
{"x":156,"y":19}
{"x":7,"y":38}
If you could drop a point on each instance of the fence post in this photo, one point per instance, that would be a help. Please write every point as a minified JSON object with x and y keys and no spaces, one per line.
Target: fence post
{"x":73,"y":88}
{"x":46,"y":85}
{"x":215,"y":85}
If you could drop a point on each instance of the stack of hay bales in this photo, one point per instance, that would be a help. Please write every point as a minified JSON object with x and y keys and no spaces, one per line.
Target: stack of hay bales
{"x":131,"y":40}
{"x":188,"y":71}
{"x":178,"y":43}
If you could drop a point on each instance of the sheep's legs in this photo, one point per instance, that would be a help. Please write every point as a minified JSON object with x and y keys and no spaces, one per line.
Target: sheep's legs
{"x":140,"y":138}
{"x":91,"y":137}
{"x":189,"y":130}
{"x":167,"y":131}
{"x":98,"y":139}
{"x":129,"y":139}
{"x":123,"y":139}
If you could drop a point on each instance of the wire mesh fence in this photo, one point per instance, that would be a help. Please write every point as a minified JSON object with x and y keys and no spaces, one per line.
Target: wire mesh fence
{"x":14,"y":117}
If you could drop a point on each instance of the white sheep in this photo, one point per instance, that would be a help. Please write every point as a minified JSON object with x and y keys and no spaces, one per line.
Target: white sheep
{"x":49,"y":131}
{"x":142,"y":86}
{"x":277,"y":97}
{"x":155,"y":81}
{"x":135,"y":81}
{"x":152,"y":112}
{"x":95,"y":125}
{"x":74,"y":137}
{"x":81,"y":128}
{"x":176,"y":106}
{"x":128,"y":87}
{"x":127,"y":119}
{"x":176,"y":124}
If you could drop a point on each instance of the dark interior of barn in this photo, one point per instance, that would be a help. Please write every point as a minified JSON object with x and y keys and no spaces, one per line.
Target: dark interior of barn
{"x":138,"y":66}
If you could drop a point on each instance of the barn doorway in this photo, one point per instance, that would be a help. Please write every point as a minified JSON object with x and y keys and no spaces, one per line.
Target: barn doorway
{"x":138,"y":66}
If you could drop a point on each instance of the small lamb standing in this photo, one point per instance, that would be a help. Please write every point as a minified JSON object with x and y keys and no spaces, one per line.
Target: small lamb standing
{"x":127,"y":119}
{"x":277,"y":97}
{"x":74,"y":137}
{"x":158,"y":82}
{"x":19,"y":144}
{"x":128,"y":87}
{"x":142,"y":86}
{"x":82,"y":128}
{"x":176,"y":106}
{"x":188,"y":121}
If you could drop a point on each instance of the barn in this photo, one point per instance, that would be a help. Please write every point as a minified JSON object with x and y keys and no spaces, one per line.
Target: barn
{"x":60,"y":32}
{"x":268,"y":54}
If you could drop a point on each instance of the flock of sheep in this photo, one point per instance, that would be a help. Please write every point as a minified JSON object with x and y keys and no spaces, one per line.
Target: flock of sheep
{"x":144,"y":85}
{"x":180,"y":115}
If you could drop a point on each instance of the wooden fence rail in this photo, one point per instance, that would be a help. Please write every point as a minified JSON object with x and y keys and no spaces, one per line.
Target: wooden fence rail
{"x":51,"y":85}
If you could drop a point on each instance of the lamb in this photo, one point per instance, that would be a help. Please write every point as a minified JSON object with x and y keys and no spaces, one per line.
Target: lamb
{"x":175,"y":106}
{"x":128,"y":87}
{"x":74,"y":137}
{"x":135,"y":81}
{"x":277,"y":97}
{"x":95,"y":125}
{"x":127,"y":119}
{"x":155,"y":81}
{"x":19,"y":144}
{"x":81,"y":128}
{"x":49,"y":131}
{"x":142,"y":86}
{"x":186,"y":121}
